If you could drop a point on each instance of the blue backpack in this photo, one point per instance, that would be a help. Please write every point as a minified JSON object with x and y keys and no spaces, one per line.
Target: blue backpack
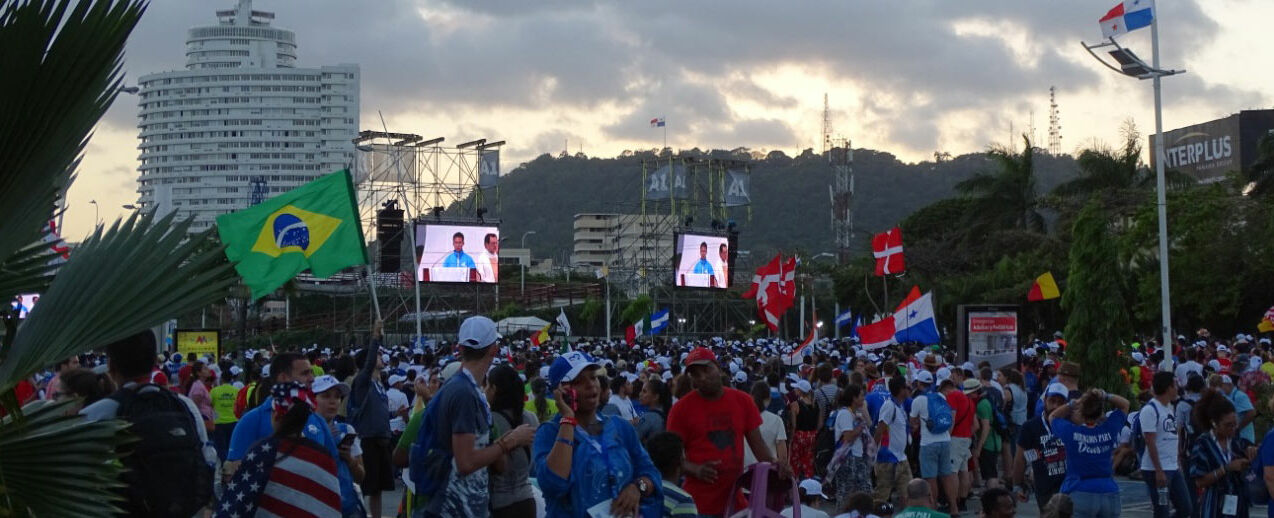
{"x":1137,"y":437}
{"x":941,"y":417}
{"x":429,"y":464}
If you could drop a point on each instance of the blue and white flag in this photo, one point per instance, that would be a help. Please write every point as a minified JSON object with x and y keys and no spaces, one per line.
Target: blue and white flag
{"x":1129,"y":15}
{"x":844,"y":318}
{"x":914,"y":321}
{"x":658,"y":322}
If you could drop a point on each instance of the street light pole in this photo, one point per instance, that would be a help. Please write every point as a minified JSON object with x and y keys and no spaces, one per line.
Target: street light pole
{"x":96,"y":214}
{"x":1161,"y":189}
{"x":522,"y":270}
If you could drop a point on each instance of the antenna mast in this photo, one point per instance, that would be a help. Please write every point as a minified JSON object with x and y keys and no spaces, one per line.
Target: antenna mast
{"x":1054,"y":123}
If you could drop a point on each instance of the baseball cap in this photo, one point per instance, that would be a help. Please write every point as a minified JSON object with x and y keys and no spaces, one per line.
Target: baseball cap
{"x":396,"y":379}
{"x":1222,"y":349}
{"x":812,"y":487}
{"x":924,"y":377}
{"x":700,"y":356}
{"x":741,"y":377}
{"x":968,"y":366}
{"x":566,"y":367}
{"x":943,"y":374}
{"x":1057,"y":389}
{"x":1226,"y":380}
{"x":803,"y":386}
{"x":235,"y":370}
{"x":327,"y":382}
{"x":449,"y":370}
{"x":478,"y":332}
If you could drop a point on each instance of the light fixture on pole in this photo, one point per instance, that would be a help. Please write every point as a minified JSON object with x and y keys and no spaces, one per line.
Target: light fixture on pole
{"x":1120,"y":20}
{"x":523,"y":265}
{"x":97,"y":220}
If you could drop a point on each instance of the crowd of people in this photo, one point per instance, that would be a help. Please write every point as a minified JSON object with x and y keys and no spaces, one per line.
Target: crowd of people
{"x":487,"y":426}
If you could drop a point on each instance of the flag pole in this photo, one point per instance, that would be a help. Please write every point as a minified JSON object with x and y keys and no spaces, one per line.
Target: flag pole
{"x":1161,"y":191}
{"x":371,"y":282}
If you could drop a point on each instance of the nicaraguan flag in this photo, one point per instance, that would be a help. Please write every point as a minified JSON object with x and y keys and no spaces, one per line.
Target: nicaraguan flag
{"x":844,"y":318}
{"x":658,"y":322}
{"x":914,"y":320}
{"x":1129,"y":15}
{"x":657,"y":122}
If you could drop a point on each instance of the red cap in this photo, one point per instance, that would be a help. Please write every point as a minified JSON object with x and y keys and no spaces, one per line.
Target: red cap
{"x":700,"y":356}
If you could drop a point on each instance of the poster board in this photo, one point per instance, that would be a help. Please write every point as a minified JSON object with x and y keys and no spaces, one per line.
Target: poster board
{"x":989,"y":333}
{"x":198,"y":342}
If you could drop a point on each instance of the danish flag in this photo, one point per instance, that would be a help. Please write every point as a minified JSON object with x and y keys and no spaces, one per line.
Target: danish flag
{"x":774,"y":288}
{"x":886,"y":247}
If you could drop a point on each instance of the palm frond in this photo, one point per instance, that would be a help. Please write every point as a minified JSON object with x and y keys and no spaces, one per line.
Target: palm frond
{"x":63,"y":60}
{"x":133,"y":276}
{"x":55,"y":464}
{"x":28,"y":270}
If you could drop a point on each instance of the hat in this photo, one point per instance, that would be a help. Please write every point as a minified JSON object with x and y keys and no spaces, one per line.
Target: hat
{"x":1057,"y":389}
{"x":968,"y":366}
{"x":931,"y":360}
{"x":449,"y":370}
{"x":327,"y":382}
{"x":478,"y":332}
{"x":1226,"y":380}
{"x":1222,"y":349}
{"x":289,"y":394}
{"x":971,"y":385}
{"x":812,"y":487}
{"x":700,"y":356}
{"x":1069,"y":369}
{"x":396,"y":379}
{"x":1214,"y":365}
{"x":1050,"y":363}
{"x":924,"y":377}
{"x":566,"y":367}
{"x":1029,"y":352}
{"x":235,"y":370}
{"x":1138,"y":357}
{"x":943,"y":373}
{"x":803,"y":386}
{"x":741,"y":377}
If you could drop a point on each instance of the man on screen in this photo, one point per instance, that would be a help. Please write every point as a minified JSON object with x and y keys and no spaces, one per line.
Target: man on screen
{"x":457,"y":258}
{"x":703,"y":266}
{"x":489,"y":261}
{"x":724,"y":266}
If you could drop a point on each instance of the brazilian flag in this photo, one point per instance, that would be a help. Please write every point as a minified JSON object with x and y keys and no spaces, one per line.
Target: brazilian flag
{"x":313,"y":226}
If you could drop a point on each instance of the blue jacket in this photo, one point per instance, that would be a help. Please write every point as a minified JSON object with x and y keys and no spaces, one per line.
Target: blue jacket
{"x":589,"y":482}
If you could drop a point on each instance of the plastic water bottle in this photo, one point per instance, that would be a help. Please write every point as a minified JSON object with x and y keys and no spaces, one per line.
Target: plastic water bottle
{"x":1163,"y":496}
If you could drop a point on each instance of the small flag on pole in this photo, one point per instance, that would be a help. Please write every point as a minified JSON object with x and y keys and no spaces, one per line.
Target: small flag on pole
{"x":657,"y":122}
{"x":541,"y":336}
{"x":563,"y":323}
{"x":1044,"y":288}
{"x":844,"y":318}
{"x":1129,"y":15}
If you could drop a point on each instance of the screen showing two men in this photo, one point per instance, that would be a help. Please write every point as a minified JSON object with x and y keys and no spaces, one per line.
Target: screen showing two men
{"x":457,"y":253}
{"x":703,"y":261}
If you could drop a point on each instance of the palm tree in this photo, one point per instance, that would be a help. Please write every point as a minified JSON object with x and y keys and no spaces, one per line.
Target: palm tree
{"x":1006,"y":198}
{"x":66,"y":58}
{"x":1104,"y":170}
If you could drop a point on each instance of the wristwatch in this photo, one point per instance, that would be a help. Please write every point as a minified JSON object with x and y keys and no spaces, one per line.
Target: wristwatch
{"x":643,"y":487}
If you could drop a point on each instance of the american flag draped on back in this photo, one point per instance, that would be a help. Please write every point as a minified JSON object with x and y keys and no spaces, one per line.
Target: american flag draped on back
{"x":301,"y":481}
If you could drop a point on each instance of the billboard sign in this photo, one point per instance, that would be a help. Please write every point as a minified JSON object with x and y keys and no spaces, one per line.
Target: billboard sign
{"x":989,"y":333}
{"x":198,"y":342}
{"x":1210,"y":150}
{"x":737,"y":192}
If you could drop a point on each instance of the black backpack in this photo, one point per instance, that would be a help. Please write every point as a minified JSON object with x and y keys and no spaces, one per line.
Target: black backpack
{"x":168,"y":450}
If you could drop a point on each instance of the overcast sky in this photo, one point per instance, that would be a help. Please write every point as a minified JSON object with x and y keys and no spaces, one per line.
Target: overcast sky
{"x":908,"y":77}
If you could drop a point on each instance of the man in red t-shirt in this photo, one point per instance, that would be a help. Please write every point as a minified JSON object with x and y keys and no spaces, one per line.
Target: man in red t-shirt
{"x":962,"y":428}
{"x":713,"y":421}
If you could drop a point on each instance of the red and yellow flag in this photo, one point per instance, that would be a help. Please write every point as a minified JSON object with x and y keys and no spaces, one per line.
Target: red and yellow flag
{"x":1044,"y":288}
{"x":540,"y":336}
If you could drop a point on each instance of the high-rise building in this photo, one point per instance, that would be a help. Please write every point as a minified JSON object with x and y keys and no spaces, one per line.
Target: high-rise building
{"x":620,"y":240}
{"x":241,"y":118}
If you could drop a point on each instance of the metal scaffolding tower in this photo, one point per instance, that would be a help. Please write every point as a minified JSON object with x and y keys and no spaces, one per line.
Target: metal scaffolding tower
{"x":1054,"y":124}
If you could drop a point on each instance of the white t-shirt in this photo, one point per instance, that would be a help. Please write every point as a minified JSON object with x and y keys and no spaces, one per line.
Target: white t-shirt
{"x":625,"y":407}
{"x":397,"y":400}
{"x":846,"y":421}
{"x":1161,"y":421}
{"x":806,"y":512}
{"x":920,"y":409}
{"x":895,"y":418}
{"x":1183,"y":371}
{"x":772,"y":431}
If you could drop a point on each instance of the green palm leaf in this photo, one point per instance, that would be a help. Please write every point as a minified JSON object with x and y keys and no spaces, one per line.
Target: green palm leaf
{"x":63,"y":66}
{"x":28,"y":270}
{"x":133,"y":276}
{"x":56,"y":464}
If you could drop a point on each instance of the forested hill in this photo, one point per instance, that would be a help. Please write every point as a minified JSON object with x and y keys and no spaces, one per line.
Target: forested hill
{"x":790,"y":194}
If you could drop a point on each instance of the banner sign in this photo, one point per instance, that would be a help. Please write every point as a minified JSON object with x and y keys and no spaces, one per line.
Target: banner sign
{"x":198,"y":342}
{"x":680,"y":184}
{"x":737,"y":188}
{"x":1208,"y":151}
{"x":488,"y":168}
{"x":657,"y":184}
{"x":989,"y":333}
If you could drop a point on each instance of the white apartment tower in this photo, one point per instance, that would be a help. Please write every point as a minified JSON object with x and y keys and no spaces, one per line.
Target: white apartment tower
{"x":241,"y":118}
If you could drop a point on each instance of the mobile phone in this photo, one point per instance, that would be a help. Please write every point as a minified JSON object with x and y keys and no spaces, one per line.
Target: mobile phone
{"x":348,"y":440}
{"x":569,"y":398}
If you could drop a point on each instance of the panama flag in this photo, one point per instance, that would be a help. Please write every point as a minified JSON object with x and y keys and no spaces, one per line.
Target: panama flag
{"x":914,"y":320}
{"x":877,"y":334}
{"x":1129,"y":15}
{"x":657,"y":122}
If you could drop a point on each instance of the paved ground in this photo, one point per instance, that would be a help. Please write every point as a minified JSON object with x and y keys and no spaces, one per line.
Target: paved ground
{"x":1132,"y":492}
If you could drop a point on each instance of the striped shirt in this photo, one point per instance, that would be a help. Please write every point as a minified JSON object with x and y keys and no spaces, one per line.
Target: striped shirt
{"x":283,"y":478}
{"x":677,"y":502}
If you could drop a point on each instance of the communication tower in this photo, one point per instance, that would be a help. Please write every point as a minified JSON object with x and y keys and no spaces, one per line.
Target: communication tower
{"x":840,"y":155}
{"x":1054,"y":123}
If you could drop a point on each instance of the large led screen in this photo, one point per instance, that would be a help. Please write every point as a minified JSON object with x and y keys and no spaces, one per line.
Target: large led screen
{"x":702,"y":261}
{"x":457,"y":253}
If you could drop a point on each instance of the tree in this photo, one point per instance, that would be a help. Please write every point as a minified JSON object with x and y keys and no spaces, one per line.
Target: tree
{"x":1261,"y":173}
{"x":120,"y":280}
{"x":1006,"y":198}
{"x":1098,"y":315}
{"x":590,"y":312}
{"x":1106,"y":171}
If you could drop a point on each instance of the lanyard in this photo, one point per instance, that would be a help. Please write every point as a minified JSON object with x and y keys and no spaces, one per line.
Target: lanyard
{"x":611,"y":474}
{"x":1225,"y":453}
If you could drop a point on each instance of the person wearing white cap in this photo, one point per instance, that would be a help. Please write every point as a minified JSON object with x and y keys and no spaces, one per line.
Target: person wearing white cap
{"x":368,"y":411}
{"x":1043,"y":451}
{"x":1160,"y":468}
{"x":935,"y":444}
{"x":329,"y":393}
{"x":811,"y":492}
{"x":459,"y":417}
{"x":399,"y":406}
